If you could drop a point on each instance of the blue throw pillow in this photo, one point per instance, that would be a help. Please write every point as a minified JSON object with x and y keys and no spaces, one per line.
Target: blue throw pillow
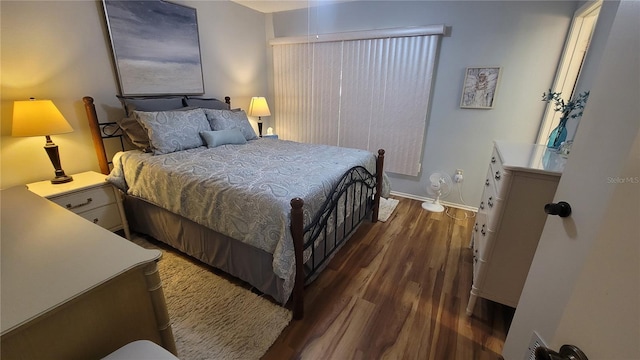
{"x":223,"y":137}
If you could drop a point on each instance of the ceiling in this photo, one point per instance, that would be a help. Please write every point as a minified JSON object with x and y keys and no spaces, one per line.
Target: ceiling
{"x":271,"y":6}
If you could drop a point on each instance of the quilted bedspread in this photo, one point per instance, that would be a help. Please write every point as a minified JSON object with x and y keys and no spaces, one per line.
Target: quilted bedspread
{"x":242,"y":191}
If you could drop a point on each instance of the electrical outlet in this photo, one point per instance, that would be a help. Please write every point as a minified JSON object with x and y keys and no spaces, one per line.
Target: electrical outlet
{"x":535,"y":342}
{"x":458,"y":176}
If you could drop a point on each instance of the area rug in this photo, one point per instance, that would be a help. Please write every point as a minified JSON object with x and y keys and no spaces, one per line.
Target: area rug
{"x":386,"y":208}
{"x":211,"y":317}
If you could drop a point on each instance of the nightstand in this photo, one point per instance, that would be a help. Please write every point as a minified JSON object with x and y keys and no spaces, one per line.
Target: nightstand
{"x":89,"y":196}
{"x":272,"y":136}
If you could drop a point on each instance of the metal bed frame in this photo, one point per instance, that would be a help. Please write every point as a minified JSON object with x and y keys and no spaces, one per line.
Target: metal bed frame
{"x":356,"y":195}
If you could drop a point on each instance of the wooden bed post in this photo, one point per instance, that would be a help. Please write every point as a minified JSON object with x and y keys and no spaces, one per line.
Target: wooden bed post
{"x":95,"y":134}
{"x":376,"y":198}
{"x":297,"y":232}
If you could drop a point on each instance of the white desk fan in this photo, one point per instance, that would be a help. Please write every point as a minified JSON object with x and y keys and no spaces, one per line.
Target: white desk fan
{"x":440,"y":186}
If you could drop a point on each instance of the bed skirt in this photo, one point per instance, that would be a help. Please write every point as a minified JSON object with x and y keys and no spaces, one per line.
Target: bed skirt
{"x":234,"y":257}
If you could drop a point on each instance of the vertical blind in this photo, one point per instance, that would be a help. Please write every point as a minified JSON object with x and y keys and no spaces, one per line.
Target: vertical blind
{"x":367,"y":93}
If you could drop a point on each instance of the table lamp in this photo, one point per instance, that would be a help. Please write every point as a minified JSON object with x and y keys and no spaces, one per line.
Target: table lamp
{"x":259,"y":108}
{"x":42,"y":118}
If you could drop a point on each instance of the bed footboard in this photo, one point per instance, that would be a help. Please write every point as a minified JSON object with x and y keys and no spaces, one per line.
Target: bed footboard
{"x":356,"y":196}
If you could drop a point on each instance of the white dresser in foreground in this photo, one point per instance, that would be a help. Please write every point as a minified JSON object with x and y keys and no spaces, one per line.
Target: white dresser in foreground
{"x":521,"y":179}
{"x":71,"y":289}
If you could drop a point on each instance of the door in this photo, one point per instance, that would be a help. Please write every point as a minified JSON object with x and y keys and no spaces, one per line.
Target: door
{"x":583,"y":287}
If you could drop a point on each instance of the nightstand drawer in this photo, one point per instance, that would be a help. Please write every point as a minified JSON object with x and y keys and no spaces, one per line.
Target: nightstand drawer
{"x":89,"y":196}
{"x":107,"y":217}
{"x":87,"y":199}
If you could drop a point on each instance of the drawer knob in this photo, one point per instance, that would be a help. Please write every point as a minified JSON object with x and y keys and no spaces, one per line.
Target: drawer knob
{"x":95,"y":221}
{"x":486,"y":183}
{"x":71,"y":207}
{"x":490,"y":201}
{"x":482,"y":205}
{"x":562,"y":209}
{"x":493,"y":159}
{"x":497,"y":175}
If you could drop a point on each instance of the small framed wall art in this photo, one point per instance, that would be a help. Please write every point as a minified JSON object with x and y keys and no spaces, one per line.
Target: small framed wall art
{"x":479,"y":87}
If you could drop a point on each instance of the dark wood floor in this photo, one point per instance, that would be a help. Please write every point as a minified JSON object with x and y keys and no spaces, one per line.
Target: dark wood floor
{"x":398,"y":290}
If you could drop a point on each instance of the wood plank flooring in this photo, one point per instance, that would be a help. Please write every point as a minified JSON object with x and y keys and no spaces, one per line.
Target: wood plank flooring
{"x":398,"y":290}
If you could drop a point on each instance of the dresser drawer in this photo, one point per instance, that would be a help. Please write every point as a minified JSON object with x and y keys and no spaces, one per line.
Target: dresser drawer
{"x":497,"y":172}
{"x":88,"y":199}
{"x":492,"y":207}
{"x":487,"y":194}
{"x":107,"y":216}
{"x":483,"y":238}
{"x":475,"y":232}
{"x":488,"y":183}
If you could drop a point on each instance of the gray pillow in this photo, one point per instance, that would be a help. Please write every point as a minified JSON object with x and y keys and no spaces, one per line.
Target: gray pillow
{"x":142,"y":103}
{"x":207,"y":103}
{"x":223,"y":137}
{"x":227,"y":119}
{"x":171,"y":131}
{"x":134,"y":132}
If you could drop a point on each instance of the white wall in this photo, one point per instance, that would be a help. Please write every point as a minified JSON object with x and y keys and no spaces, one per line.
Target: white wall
{"x":524,"y":37}
{"x":60,"y":50}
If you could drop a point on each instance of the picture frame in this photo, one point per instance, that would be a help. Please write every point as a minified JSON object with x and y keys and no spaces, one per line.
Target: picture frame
{"x":480,"y":87}
{"x":155,"y":46}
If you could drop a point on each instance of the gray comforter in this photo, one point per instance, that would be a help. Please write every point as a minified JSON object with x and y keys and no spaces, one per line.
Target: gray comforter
{"x":242,"y":191}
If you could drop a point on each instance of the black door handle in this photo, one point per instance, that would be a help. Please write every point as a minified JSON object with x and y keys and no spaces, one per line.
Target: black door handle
{"x":567,"y":352}
{"x":562,"y":209}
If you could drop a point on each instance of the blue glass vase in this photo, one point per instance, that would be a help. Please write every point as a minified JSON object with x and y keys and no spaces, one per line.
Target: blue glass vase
{"x":558,"y":136}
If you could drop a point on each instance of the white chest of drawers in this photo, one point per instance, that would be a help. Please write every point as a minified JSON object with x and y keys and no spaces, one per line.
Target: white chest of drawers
{"x":521,"y":179}
{"x":89,"y":196}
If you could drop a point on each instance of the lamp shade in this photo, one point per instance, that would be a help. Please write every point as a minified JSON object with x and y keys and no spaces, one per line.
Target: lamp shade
{"x":38,"y":118}
{"x":259,"y":107}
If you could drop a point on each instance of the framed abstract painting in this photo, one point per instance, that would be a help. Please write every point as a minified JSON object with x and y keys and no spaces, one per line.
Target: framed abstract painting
{"x":156,"y":48}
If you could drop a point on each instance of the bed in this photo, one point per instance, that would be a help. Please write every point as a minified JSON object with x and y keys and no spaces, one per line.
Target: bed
{"x":269,"y":212}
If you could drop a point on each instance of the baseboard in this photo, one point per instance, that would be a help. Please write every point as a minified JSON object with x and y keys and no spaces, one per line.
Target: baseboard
{"x":445,"y":203}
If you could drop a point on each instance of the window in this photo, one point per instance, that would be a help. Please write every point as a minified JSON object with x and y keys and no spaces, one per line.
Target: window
{"x":575,"y":50}
{"x":365,"y":90}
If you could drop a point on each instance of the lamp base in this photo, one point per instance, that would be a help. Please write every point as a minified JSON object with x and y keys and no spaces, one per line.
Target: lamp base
{"x":54,"y":156}
{"x":61,"y":179}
